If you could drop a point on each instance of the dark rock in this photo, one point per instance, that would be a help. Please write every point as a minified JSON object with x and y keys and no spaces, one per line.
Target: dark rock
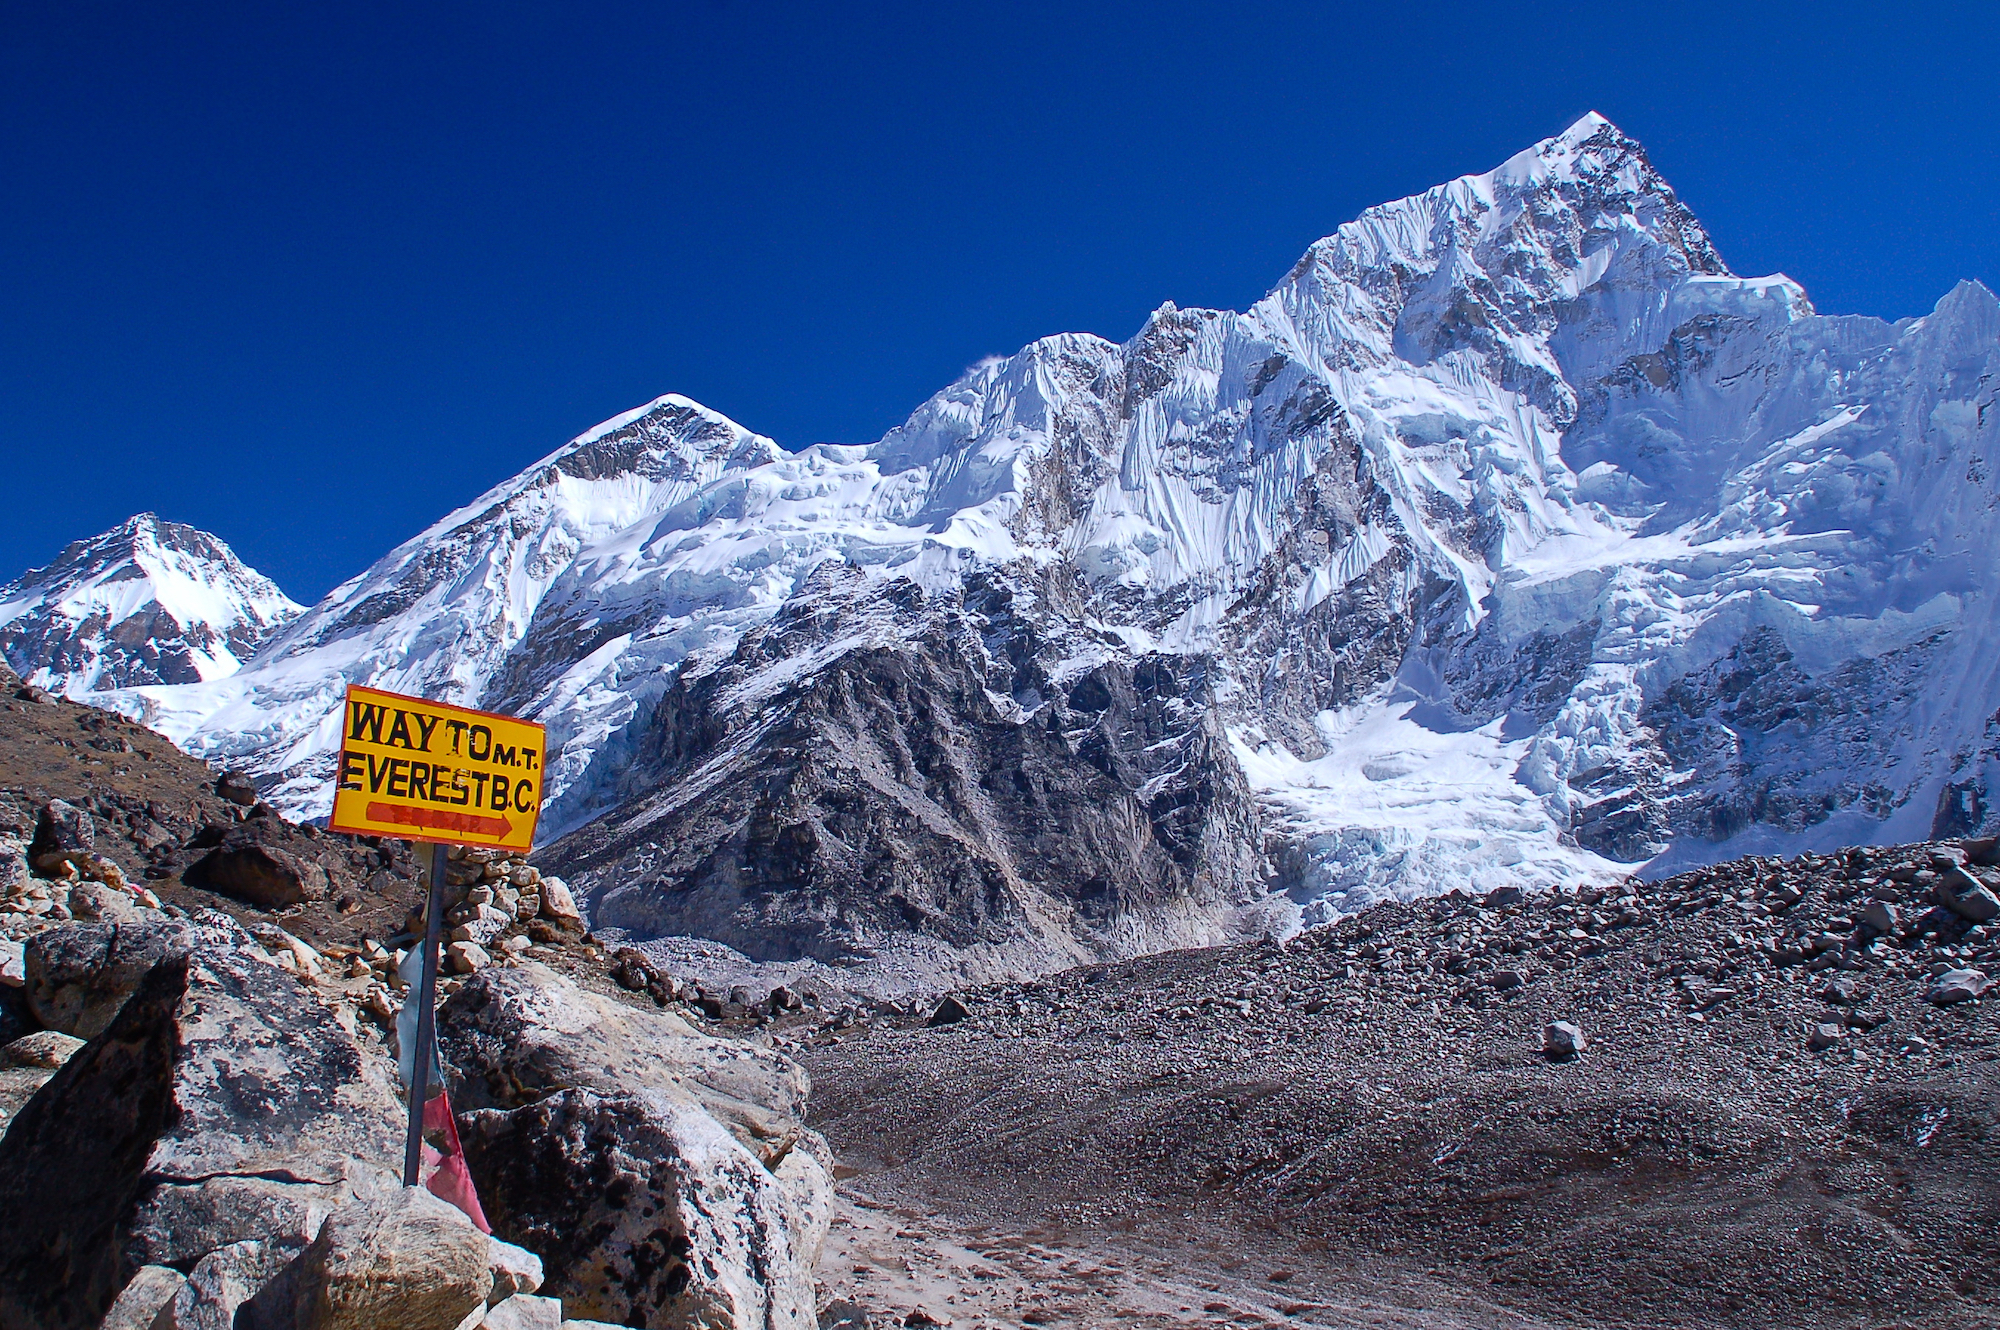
{"x":265,"y":863}
{"x":237,"y":788}
{"x":79,"y":975}
{"x":64,"y":834}
{"x":900,"y":799}
{"x":35,"y":693}
{"x":1508,"y":895}
{"x":949,"y":1011}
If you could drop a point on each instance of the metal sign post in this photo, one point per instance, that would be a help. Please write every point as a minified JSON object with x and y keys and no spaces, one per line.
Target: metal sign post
{"x":420,"y":1061}
{"x":429,"y":771}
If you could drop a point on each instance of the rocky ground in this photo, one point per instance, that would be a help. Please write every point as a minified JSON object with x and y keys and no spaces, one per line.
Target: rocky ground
{"x":1786,"y":1111}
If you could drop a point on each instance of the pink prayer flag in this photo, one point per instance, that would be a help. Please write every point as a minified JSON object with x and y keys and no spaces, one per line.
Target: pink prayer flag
{"x":450,"y":1180}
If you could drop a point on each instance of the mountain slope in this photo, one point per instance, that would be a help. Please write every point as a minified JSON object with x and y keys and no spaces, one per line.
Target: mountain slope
{"x":1511,"y":539}
{"x":146,"y":602}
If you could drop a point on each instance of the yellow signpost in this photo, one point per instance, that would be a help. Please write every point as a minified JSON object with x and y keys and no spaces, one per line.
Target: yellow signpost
{"x":427,"y":771}
{"x":449,"y":775}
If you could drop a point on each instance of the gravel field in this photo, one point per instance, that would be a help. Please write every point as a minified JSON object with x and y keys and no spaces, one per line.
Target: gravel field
{"x":1780,"y":1116}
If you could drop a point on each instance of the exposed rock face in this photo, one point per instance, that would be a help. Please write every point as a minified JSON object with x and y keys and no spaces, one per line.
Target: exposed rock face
{"x":646,"y":1212}
{"x":222,"y":1105}
{"x":892,"y":796}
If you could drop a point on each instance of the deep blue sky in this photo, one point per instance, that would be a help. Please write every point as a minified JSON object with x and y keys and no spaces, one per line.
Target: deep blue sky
{"x":309,"y":275}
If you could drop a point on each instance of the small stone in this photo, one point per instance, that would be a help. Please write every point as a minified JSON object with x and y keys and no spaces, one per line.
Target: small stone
{"x":467,"y":957}
{"x":1840,"y":993}
{"x":515,"y":1269}
{"x":1563,"y":1040}
{"x":1504,"y":981}
{"x":949,"y":1011}
{"x":524,"y":1312}
{"x":45,"y":1048}
{"x":515,"y":945}
{"x":237,"y":788}
{"x":1823,"y":1036}
{"x":13,"y":963}
{"x":1880,"y":916}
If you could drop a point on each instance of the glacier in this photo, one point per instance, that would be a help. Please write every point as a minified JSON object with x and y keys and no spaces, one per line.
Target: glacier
{"x":1520,"y":542}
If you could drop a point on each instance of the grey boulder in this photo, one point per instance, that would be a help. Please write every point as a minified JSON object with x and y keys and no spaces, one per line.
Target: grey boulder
{"x":1955,"y":986}
{"x":79,"y":975}
{"x":647,"y":1212}
{"x":223,"y":1104}
{"x":143,"y":1298}
{"x":513,"y":1035}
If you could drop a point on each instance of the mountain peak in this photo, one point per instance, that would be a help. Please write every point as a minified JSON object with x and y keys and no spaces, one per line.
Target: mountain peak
{"x":148,"y":601}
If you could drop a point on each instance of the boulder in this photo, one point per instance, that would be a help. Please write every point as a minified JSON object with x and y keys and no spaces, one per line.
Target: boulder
{"x":45,"y":1050}
{"x":246,"y":868}
{"x":237,"y":788}
{"x":647,"y":1212}
{"x":27,"y":1064}
{"x":79,"y":975}
{"x":1563,"y":1040}
{"x":949,"y":1011}
{"x":466,"y":958}
{"x":223,"y":1104}
{"x":1966,"y":896}
{"x":64,"y":834}
{"x":511,"y":1036}
{"x":1880,"y":916}
{"x":99,"y":903}
{"x":1955,"y":986}
{"x":148,"y":1292}
{"x":13,"y":866}
{"x":407,"y":1260}
{"x":559,"y":904}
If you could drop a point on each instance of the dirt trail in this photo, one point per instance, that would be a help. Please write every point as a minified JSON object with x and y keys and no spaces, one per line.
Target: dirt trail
{"x":906,"y":1266}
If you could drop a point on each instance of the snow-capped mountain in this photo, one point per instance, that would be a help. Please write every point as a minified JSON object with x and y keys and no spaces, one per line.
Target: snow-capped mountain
{"x":144,"y":603}
{"x":1510,"y":539}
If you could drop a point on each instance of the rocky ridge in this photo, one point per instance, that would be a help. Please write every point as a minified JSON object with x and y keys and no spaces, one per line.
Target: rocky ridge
{"x":203,"y":1117}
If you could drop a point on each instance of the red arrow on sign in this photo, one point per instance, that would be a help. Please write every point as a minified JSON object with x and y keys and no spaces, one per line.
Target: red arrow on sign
{"x":439,"y":819}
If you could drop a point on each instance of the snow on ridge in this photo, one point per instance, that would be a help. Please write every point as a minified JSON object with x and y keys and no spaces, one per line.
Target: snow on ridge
{"x":147,"y":601}
{"x":1608,"y":470}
